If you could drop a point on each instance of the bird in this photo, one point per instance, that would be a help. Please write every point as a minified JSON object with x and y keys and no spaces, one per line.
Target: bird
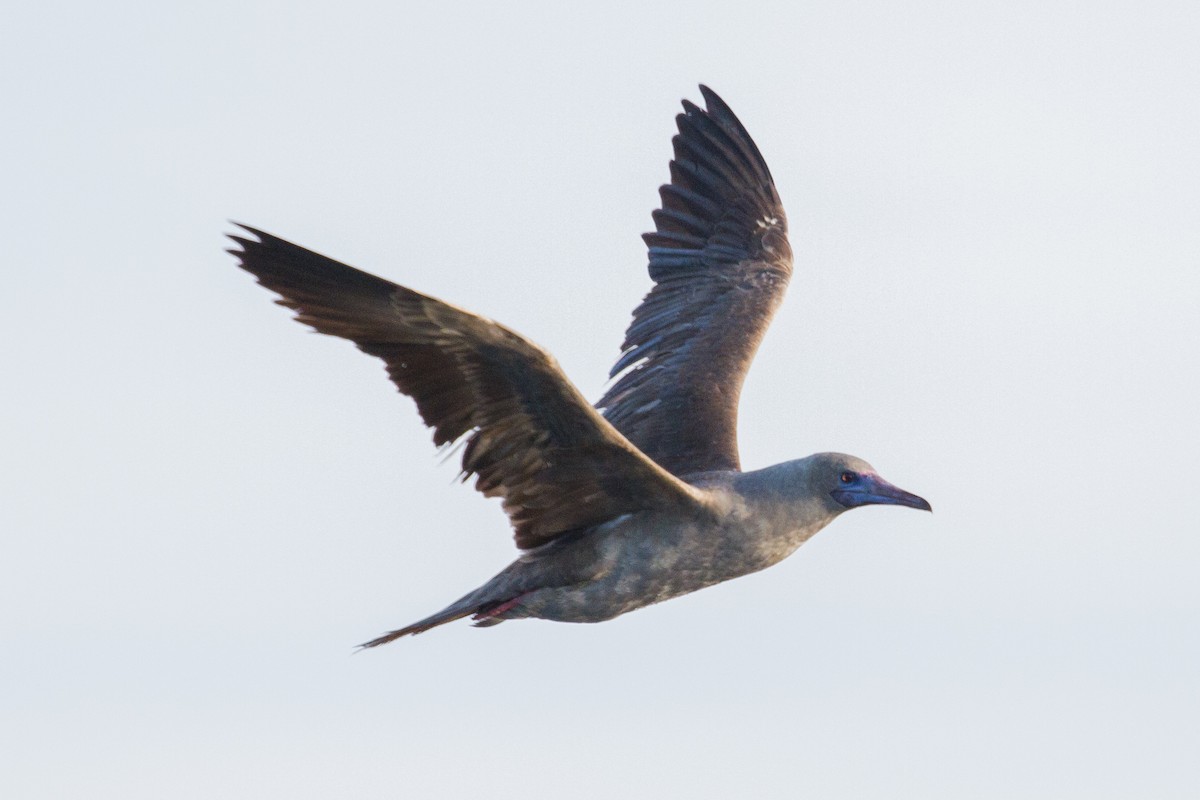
{"x":640,"y":498}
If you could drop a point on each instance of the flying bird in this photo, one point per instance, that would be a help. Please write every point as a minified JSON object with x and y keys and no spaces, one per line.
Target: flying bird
{"x":642,"y":497}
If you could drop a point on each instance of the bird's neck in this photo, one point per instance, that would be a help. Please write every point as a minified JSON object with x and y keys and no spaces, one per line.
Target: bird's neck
{"x":779,"y":507}
{"x":785,"y":498}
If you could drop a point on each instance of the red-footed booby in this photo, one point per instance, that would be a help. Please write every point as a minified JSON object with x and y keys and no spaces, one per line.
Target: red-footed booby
{"x":641,"y":498}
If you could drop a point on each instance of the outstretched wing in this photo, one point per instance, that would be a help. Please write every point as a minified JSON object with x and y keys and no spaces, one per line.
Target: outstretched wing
{"x":531,"y":437}
{"x":720,"y":261}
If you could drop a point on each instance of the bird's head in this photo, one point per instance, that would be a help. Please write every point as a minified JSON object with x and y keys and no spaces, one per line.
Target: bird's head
{"x":847,"y":482}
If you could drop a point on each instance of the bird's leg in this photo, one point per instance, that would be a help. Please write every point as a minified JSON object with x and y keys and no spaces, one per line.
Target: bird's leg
{"x":491,"y":615}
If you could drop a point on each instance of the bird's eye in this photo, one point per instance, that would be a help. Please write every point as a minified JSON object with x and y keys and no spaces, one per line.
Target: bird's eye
{"x":847,"y":477}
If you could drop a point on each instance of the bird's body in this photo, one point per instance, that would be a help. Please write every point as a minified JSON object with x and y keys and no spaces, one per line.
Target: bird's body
{"x":645,"y":501}
{"x":740,"y":524}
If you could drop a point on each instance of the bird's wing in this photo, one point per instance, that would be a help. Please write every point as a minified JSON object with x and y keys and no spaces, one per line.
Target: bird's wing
{"x":531,"y":437}
{"x":720,"y":261}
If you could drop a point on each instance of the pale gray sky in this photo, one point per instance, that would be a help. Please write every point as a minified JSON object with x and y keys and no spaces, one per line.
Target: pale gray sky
{"x":994,"y":209}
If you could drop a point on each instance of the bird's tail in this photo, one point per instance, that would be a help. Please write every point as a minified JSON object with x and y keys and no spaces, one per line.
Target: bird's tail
{"x":484,"y":610}
{"x":440,"y":618}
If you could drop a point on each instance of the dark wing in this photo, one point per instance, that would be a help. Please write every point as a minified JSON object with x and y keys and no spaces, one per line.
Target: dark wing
{"x":532,"y":438}
{"x":720,"y":261}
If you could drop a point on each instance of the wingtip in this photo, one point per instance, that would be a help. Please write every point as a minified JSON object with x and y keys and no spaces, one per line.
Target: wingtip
{"x":237,"y":237}
{"x":255,"y":232}
{"x":243,"y":246}
{"x":712,"y":100}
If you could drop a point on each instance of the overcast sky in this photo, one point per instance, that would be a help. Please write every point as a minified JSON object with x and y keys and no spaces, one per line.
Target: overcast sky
{"x":994,"y":211}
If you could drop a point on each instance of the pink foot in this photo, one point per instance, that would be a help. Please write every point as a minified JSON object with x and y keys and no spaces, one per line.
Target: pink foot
{"x":496,"y":611}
